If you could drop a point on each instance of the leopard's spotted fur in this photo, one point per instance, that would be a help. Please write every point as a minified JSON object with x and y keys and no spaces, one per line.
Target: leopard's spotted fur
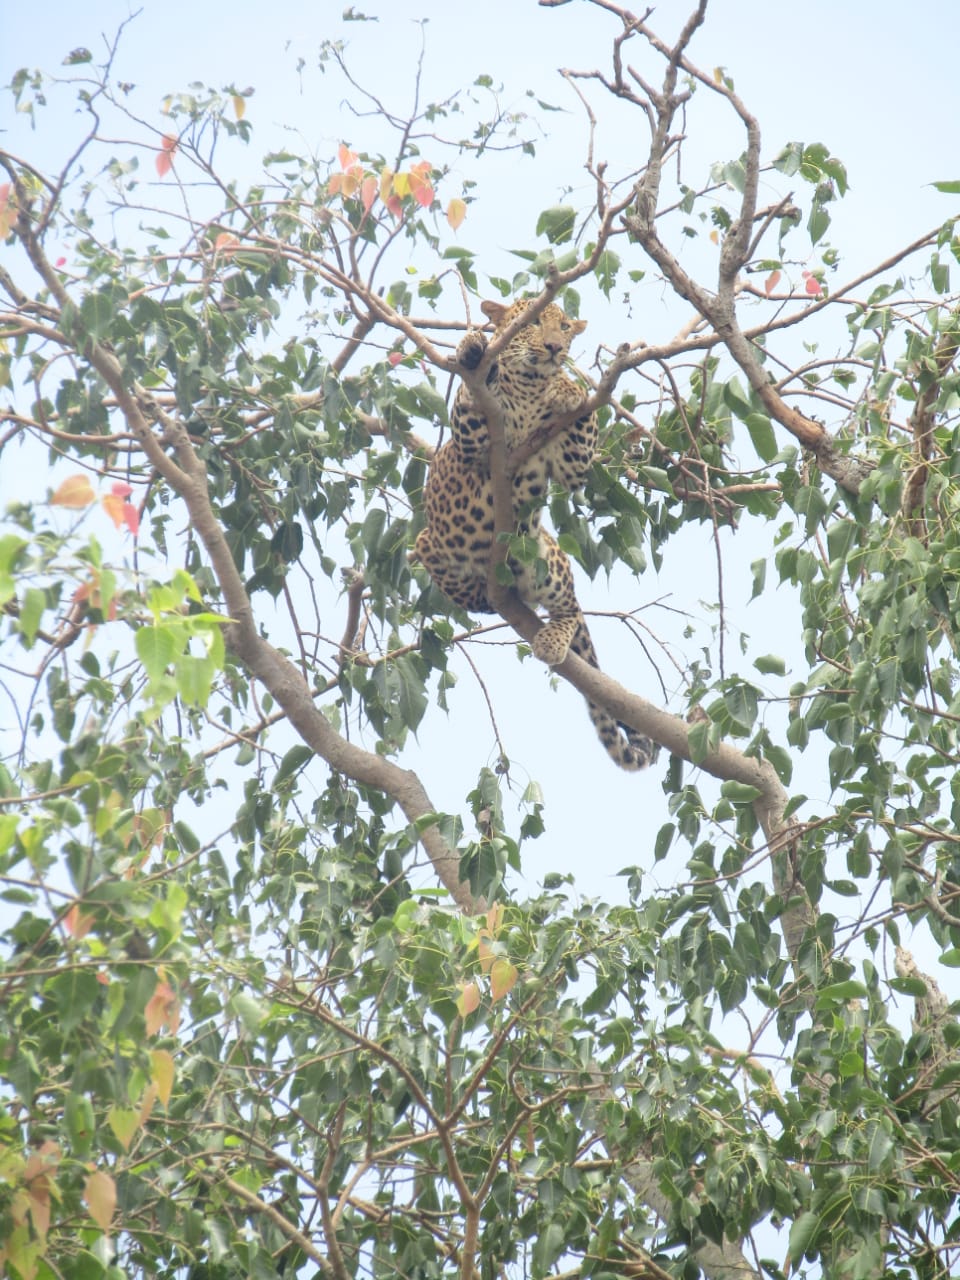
{"x":531,"y":388}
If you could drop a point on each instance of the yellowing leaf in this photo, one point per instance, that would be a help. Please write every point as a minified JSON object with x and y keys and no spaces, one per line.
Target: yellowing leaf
{"x":456,"y":212}
{"x":469,"y":998}
{"x":75,"y":492}
{"x":100,"y":1197}
{"x":503,"y":977}
{"x":8,"y":209}
{"x":386,"y":183}
{"x":715,"y":236}
{"x":162,"y":1069}
{"x":486,"y":954}
{"x":401,"y":184}
{"x":147,"y":1101}
{"x":124,"y":1122}
{"x":239,"y":106}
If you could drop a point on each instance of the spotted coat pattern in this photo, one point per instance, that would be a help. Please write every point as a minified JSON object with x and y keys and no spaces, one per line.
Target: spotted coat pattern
{"x":531,"y":389}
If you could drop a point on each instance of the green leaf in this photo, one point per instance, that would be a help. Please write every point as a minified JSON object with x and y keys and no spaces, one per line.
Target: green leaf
{"x":762,"y":435}
{"x":608,"y":264}
{"x":156,"y":649}
{"x":951,"y":187}
{"x":557,"y":223}
{"x":770,"y":664}
{"x":739,"y":792}
{"x":292,"y":763}
{"x":31,"y":611}
{"x":803,"y":1232}
{"x":840,"y":993}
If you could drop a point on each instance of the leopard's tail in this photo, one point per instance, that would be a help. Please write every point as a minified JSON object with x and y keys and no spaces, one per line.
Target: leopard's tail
{"x":625,"y":746}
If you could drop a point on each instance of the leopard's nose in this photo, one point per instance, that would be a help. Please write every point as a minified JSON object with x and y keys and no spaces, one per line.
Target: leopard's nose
{"x":554,"y":348}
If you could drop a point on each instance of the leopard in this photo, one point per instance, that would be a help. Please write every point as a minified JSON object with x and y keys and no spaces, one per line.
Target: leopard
{"x":528,"y":382}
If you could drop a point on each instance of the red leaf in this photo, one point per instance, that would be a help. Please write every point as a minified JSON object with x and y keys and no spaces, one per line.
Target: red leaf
{"x":394,"y":358}
{"x":813,"y":285}
{"x":131,"y":518}
{"x":164,"y":160}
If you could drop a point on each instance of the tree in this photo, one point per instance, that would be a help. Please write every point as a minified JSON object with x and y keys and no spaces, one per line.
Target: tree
{"x":326,"y":1034}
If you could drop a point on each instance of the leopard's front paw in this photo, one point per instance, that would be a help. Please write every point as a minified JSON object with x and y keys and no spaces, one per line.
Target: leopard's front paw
{"x":471,"y":348}
{"x":551,"y":644}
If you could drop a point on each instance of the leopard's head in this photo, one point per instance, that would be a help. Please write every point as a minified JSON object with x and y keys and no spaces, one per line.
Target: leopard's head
{"x":542,"y":344}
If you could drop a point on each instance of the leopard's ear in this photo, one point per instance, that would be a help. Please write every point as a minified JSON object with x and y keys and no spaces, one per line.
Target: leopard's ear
{"x":579,"y":326}
{"x":494,"y":311}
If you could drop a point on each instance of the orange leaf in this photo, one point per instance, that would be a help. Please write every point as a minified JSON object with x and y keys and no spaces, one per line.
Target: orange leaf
{"x":76,"y":923}
{"x":162,"y":1008}
{"x":76,"y":492}
{"x":420,"y":186}
{"x":503,"y":976}
{"x":164,"y":160}
{"x":346,"y":156}
{"x":469,"y":998}
{"x":100,"y":1197}
{"x":456,"y":212}
{"x":226,"y":242}
{"x":368,"y":192}
{"x":239,"y":106}
{"x":113,"y":506}
{"x":162,"y":1069}
{"x":715,"y":236}
{"x":39,"y":1176}
{"x":773,"y":279}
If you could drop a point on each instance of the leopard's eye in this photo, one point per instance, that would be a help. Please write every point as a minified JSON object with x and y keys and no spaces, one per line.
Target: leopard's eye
{"x":564,"y":325}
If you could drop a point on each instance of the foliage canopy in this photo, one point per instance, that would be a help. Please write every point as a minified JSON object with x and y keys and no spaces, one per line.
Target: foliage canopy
{"x":325,"y":1033}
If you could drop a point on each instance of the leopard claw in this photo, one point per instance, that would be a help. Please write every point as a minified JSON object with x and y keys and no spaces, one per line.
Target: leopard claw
{"x":471,"y":349}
